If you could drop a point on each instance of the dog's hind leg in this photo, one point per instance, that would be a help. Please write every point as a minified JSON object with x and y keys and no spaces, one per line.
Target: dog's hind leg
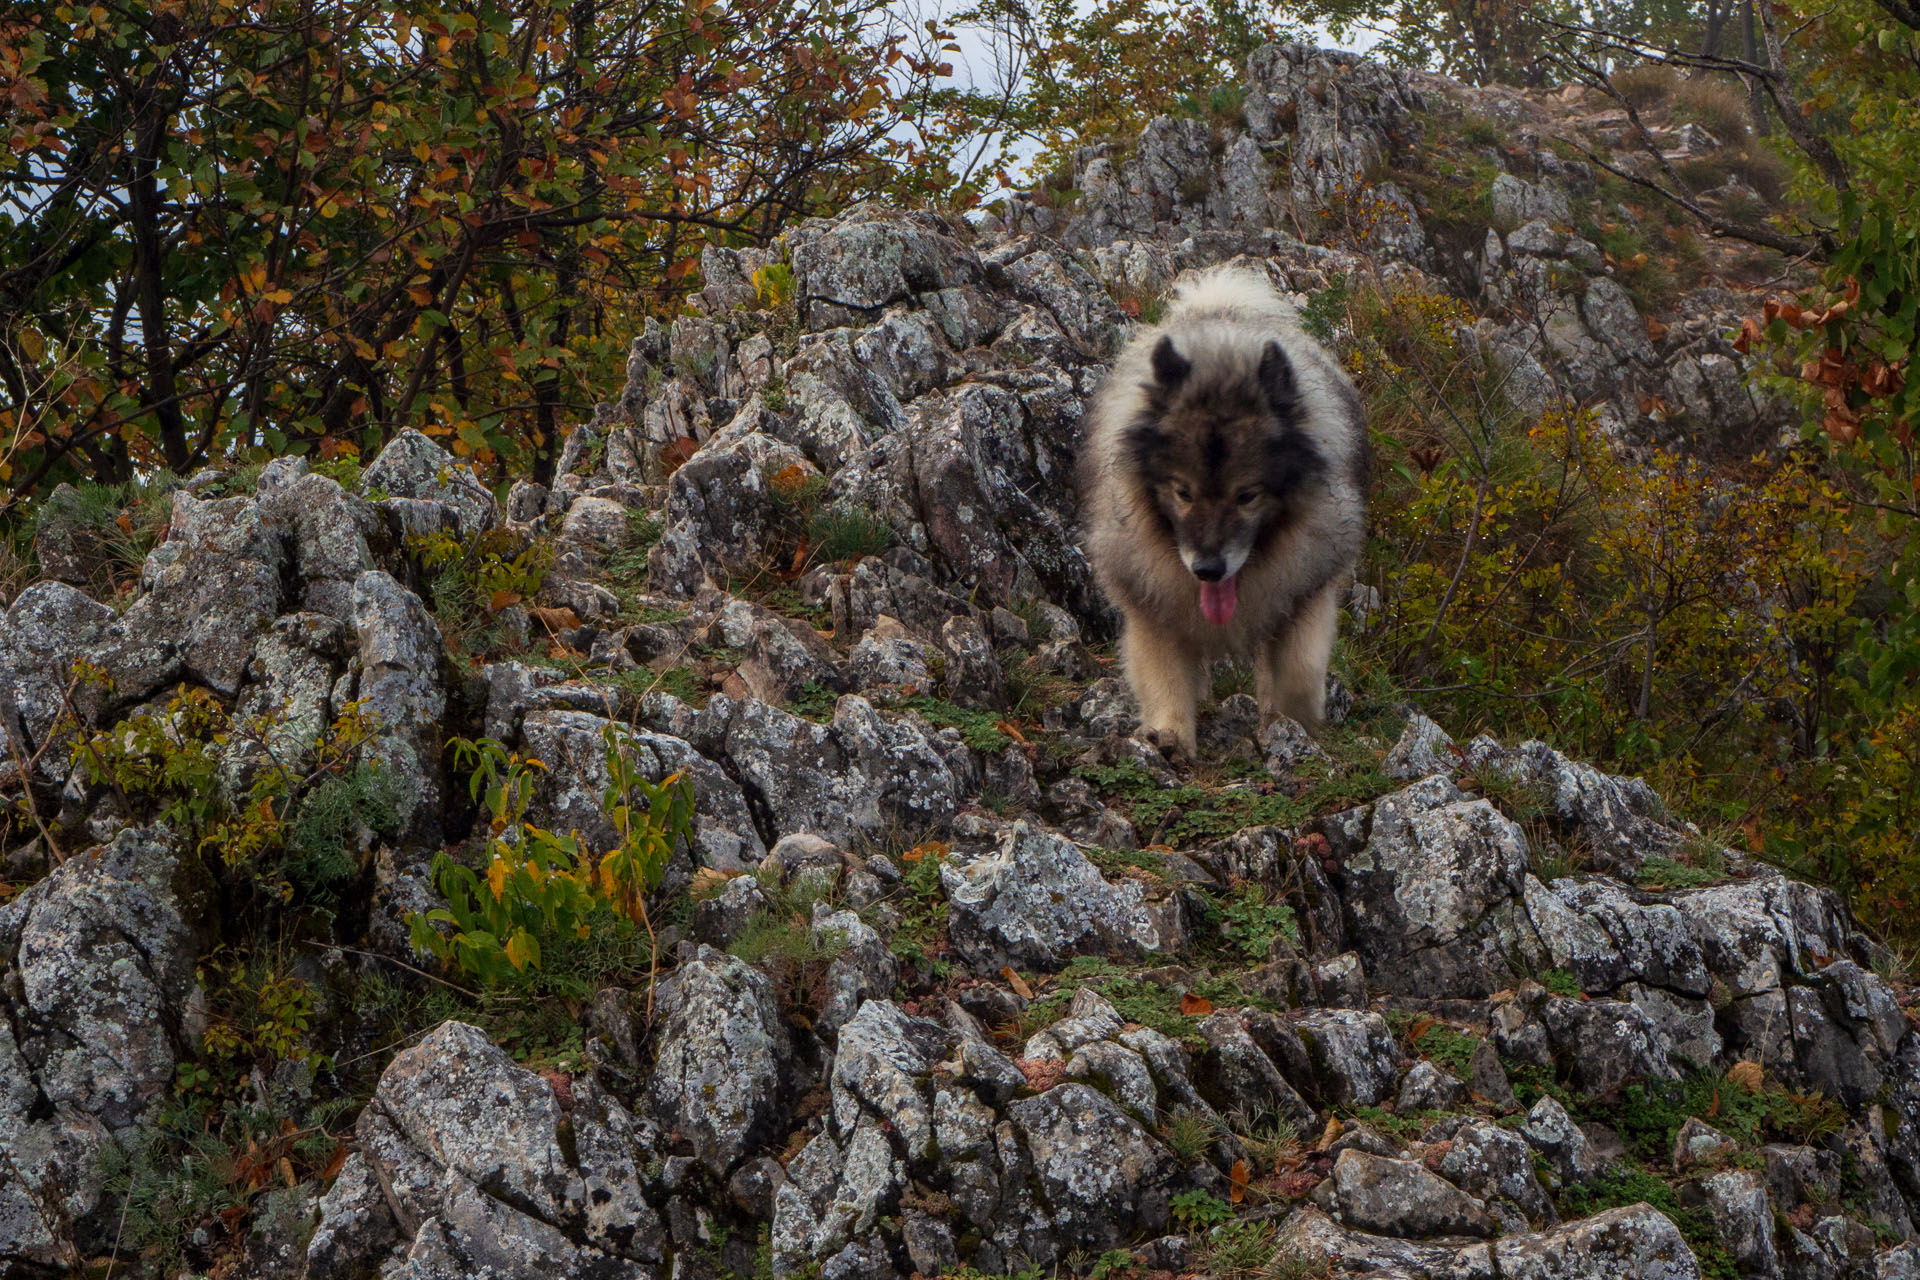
{"x":1291,"y":675}
{"x":1165,"y":676}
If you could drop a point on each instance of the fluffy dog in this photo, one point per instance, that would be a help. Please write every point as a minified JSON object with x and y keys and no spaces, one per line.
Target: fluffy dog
{"x":1223,"y":481}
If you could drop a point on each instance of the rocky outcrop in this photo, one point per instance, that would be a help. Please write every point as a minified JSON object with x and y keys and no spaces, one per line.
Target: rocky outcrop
{"x":954,"y":969}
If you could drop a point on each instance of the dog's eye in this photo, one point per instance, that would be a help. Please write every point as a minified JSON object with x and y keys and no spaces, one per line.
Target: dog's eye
{"x":1247,"y":497}
{"x":1183,"y":493}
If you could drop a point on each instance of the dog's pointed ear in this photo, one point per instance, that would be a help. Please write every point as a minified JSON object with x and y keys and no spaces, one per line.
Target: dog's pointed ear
{"x":1276,"y":380}
{"x":1170,"y":368}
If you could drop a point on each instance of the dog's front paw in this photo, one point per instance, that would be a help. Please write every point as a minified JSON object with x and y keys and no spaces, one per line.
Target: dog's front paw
{"x":1174,"y":747}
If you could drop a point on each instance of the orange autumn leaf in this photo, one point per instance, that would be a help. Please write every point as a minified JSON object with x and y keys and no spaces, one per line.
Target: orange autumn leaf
{"x":1237,"y":1181}
{"x":554,"y":617}
{"x":1018,"y":983}
{"x":501,"y":599}
{"x":934,"y":848}
{"x":1195,"y":1006}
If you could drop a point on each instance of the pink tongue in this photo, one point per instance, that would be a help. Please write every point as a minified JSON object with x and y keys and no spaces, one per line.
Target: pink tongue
{"x":1217,"y":600}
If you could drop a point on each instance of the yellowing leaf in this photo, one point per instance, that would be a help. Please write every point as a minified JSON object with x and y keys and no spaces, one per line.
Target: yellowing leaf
{"x":522,"y":950}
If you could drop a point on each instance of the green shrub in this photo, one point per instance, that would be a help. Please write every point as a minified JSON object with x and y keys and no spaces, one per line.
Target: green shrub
{"x":539,"y":885}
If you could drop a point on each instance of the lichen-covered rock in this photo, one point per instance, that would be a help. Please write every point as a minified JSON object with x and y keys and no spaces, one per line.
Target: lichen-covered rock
{"x":1496,"y":1164}
{"x":1632,"y":1243}
{"x":1424,"y":749}
{"x":572,"y":791}
{"x":1356,"y":1061}
{"x":1101,"y":1177}
{"x":1404,"y":1198}
{"x":1035,"y":902}
{"x":400,"y":686}
{"x":206,"y":593}
{"x":1620,"y":820}
{"x":412,"y":466}
{"x":477,"y":1164}
{"x":45,"y":628}
{"x":1426,"y":1087}
{"x":1434,"y":895}
{"x":98,"y":1001}
{"x":1553,"y":1133}
{"x":718,"y":1079}
{"x":856,"y":776}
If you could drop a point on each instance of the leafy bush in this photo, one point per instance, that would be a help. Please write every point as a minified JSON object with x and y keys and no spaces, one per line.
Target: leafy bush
{"x":1713,"y":628}
{"x":540,"y":886}
{"x":282,"y":838}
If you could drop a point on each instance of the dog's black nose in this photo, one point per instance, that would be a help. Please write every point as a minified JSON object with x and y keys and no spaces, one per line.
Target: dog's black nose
{"x":1210,"y":570}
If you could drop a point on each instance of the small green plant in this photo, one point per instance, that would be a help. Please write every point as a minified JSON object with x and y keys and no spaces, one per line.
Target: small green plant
{"x":475,"y":578}
{"x":1189,"y":1133}
{"x":279,"y":837}
{"x":540,"y":884}
{"x":1560,"y":983}
{"x":1252,"y":923}
{"x":922,"y":904}
{"x":1445,"y":1047}
{"x":773,"y":285}
{"x":980,"y":730}
{"x":814,"y":702}
{"x":1666,"y":873}
{"x":848,"y":533}
{"x":1237,"y":1251}
{"x":1196,"y":1210}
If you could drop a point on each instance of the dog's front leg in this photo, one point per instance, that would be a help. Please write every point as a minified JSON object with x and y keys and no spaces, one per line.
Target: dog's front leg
{"x":1165,"y":676}
{"x":1291,"y":675}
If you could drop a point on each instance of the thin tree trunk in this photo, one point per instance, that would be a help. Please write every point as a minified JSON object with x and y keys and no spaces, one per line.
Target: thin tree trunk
{"x":1756,"y":96}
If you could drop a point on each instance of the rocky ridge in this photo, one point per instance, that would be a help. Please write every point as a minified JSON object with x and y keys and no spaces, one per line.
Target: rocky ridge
{"x":1338,"y":1008}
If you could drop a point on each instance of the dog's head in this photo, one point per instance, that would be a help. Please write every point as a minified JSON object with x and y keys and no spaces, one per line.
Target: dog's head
{"x":1220,"y":454}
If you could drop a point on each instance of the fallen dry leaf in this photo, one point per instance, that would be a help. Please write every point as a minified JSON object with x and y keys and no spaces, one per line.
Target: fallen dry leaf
{"x":1330,"y":1134}
{"x":554,"y":617}
{"x":1018,"y":983}
{"x":1195,"y":1006}
{"x":1237,"y":1181}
